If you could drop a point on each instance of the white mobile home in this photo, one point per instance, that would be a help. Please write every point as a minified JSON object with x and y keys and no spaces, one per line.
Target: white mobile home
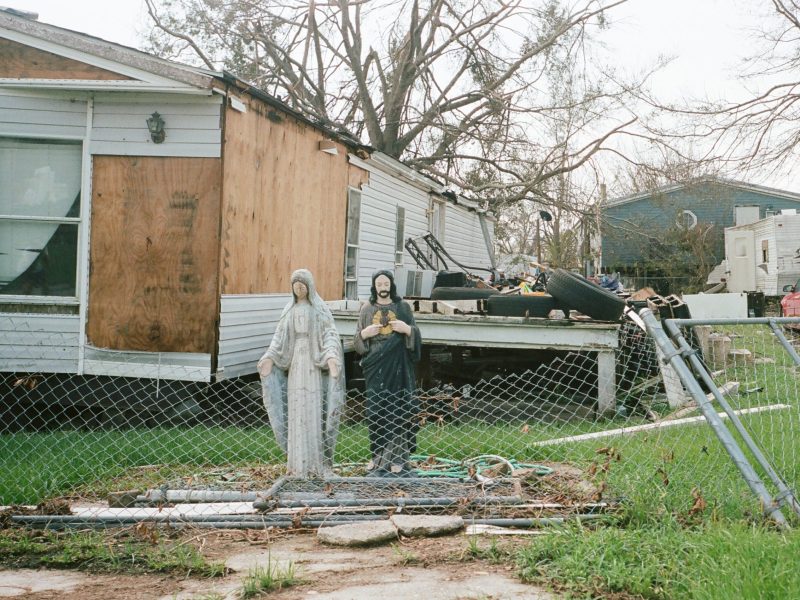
{"x":398,"y":203}
{"x":764,"y":255}
{"x":151,"y":213}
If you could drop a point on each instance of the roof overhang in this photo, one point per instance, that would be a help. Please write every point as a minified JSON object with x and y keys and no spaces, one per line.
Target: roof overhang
{"x":147,"y":72}
{"x":667,"y":189}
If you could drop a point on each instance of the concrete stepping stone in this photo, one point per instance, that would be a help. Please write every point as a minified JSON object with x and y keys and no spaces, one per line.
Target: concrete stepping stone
{"x":364,"y":533}
{"x":427,"y":525}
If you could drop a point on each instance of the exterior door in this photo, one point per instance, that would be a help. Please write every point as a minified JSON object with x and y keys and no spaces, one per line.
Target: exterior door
{"x":740,"y":251}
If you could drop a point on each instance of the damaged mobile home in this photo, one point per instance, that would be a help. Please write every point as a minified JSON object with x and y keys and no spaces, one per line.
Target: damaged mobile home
{"x":152,"y":213}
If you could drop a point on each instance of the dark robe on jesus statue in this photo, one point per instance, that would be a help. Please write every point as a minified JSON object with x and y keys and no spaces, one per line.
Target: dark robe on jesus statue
{"x":388,"y":365}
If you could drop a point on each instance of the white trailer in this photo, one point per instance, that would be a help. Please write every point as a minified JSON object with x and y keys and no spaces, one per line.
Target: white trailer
{"x":764,"y":255}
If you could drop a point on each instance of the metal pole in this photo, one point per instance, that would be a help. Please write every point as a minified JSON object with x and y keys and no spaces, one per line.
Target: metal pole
{"x":784,"y":492}
{"x":748,"y":321}
{"x":770,"y":508}
{"x":67,"y":522}
{"x":784,"y":342}
{"x":384,"y":502}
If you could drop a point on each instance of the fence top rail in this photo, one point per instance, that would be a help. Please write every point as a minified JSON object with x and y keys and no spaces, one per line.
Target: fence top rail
{"x":746,"y":321}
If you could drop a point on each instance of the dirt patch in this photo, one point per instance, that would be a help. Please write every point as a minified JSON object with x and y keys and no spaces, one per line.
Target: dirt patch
{"x":439,"y":568}
{"x":49,"y":584}
{"x":443,"y":568}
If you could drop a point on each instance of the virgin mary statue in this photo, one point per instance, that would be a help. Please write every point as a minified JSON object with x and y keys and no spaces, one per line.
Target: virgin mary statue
{"x":302,"y":375}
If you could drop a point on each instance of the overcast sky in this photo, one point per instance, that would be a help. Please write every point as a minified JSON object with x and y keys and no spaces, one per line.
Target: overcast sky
{"x":707,"y":39}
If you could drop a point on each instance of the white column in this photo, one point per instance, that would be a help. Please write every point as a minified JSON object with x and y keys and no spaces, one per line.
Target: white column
{"x":606,"y":382}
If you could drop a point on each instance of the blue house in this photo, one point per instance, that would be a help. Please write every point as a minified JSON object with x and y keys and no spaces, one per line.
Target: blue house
{"x":641,"y":232}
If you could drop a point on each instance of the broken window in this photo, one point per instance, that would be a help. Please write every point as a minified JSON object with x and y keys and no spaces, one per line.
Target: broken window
{"x":436,"y":227}
{"x":351,"y":256}
{"x":40,"y":194}
{"x":399,"y":232}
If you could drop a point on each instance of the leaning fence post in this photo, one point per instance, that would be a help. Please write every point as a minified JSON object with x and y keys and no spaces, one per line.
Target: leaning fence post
{"x":675,"y":358}
{"x":785,"y":493}
{"x":784,"y":342}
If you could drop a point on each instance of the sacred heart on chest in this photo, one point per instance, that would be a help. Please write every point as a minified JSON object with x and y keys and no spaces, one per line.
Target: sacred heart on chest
{"x":383,"y":318}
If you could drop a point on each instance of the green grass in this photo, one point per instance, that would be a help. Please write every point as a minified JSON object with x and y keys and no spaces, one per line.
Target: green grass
{"x":710,"y":562}
{"x":492,"y":551}
{"x":656,"y":473}
{"x":34,"y":466}
{"x":102,"y":552}
{"x":271,"y":577}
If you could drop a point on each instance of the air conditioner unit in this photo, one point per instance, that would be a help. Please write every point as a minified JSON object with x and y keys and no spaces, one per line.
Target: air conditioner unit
{"x":414,"y":283}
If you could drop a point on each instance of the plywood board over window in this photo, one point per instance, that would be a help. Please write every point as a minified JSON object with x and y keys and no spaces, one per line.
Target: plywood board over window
{"x":284,"y":203}
{"x":154,"y":253}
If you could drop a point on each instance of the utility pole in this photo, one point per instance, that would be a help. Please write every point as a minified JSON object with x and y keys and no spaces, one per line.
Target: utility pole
{"x":598,"y":259}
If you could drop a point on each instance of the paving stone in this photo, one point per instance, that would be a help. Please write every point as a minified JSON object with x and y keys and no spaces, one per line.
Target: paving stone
{"x":365,"y":533}
{"x":427,"y":525}
{"x":28,"y":581}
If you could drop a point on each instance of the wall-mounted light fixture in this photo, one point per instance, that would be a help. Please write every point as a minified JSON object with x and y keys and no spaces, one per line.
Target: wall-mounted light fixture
{"x":155,"y":125}
{"x":329,"y":147}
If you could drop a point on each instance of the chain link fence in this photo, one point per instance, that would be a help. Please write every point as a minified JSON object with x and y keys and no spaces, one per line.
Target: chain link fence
{"x":505,"y":435}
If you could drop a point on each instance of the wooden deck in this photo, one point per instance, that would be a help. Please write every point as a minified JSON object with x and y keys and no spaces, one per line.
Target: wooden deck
{"x":483,"y":331}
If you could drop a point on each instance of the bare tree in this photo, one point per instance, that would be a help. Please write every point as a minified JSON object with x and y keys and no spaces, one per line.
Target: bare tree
{"x":759,"y":133}
{"x":567,"y":199}
{"x":456,"y":88}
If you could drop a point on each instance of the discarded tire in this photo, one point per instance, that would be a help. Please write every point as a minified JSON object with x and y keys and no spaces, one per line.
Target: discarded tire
{"x":584,"y":296}
{"x":520,"y":306}
{"x":462,"y":293}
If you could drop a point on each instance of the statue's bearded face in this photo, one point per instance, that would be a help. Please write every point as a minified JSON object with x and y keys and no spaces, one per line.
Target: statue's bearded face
{"x":383,"y":286}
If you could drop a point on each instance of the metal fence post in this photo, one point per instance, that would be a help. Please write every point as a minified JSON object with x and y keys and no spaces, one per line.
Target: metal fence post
{"x":676,"y":359}
{"x":785,"y":493}
{"x":784,"y":342}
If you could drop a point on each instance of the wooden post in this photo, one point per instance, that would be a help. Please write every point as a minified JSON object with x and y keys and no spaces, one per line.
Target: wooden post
{"x":606,"y":382}
{"x":425,"y":371}
{"x":676,"y":395}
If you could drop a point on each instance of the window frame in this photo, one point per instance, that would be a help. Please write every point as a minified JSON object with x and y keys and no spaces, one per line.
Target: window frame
{"x":355,"y":245}
{"x":77,"y":221}
{"x":399,"y":235}
{"x":436,"y":226}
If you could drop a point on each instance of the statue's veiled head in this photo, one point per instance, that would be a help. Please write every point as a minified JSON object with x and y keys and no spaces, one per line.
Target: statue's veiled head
{"x":302,"y":278}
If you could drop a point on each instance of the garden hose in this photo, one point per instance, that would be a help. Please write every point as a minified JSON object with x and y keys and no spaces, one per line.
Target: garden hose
{"x":445,"y":467}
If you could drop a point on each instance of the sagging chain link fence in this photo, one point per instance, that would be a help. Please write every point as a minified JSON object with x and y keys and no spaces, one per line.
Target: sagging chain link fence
{"x":522,"y":439}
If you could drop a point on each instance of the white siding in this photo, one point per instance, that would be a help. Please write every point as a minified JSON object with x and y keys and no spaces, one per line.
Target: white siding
{"x":31,"y":116}
{"x":782,"y":235}
{"x":766,"y":273}
{"x":192,"y":123}
{"x":192,"y":126}
{"x":465,"y":241}
{"x":379,"y":199}
{"x":247,"y":323}
{"x":787,"y":242}
{"x":35,"y":343}
{"x":178,"y":366}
